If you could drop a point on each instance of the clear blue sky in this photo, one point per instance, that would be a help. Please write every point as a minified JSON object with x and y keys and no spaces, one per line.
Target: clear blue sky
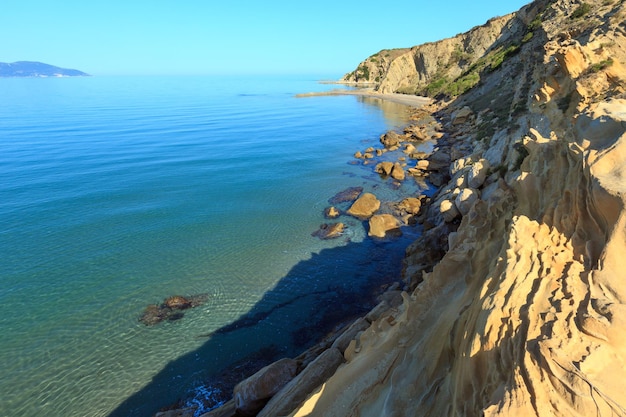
{"x":144,"y":37}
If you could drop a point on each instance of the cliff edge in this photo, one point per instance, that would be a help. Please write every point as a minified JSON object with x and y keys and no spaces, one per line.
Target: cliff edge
{"x":525,"y":314}
{"x":515,"y":301}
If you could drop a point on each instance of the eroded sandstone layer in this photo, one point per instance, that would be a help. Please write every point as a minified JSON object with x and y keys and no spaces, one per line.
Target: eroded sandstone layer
{"x":516,"y":300}
{"x":525,"y":314}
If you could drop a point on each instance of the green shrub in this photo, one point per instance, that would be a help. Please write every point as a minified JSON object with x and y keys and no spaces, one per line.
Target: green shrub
{"x":435,"y":87}
{"x":501,"y":55}
{"x":581,"y":11}
{"x":601,"y":65}
{"x":459,"y":55}
{"x":527,"y":37}
{"x":462,"y":84}
{"x":363,"y":72}
{"x":535,"y":23}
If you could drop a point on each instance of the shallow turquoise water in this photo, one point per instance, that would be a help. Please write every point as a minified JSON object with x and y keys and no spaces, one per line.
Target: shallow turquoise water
{"x":118,"y":192}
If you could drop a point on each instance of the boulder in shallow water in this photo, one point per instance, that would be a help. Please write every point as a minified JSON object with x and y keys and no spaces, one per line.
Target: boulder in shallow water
{"x":331,"y":212}
{"x":329,"y":231}
{"x":410,"y":205}
{"x":171,"y":308}
{"x":177,"y":302}
{"x":398,"y":172}
{"x":391,"y":139}
{"x":349,"y":194}
{"x":384,"y":225}
{"x":182,"y":412}
{"x":365,"y":206}
{"x":153,"y":314}
{"x":384,"y":168}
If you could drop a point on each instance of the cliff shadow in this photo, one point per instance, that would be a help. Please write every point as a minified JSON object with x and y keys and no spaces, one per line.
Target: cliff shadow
{"x":317,"y":296}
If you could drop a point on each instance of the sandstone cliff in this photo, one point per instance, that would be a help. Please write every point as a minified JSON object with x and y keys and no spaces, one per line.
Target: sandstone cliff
{"x":416,"y":70}
{"x":525,"y":314}
{"x":515,"y":297}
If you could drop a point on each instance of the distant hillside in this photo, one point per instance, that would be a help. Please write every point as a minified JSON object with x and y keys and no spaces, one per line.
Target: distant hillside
{"x":36,"y":69}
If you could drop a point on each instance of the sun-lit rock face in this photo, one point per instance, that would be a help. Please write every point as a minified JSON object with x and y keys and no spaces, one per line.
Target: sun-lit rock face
{"x":525,"y":314}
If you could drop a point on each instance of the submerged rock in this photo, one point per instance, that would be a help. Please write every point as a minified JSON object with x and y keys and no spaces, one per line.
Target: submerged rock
{"x":177,"y":302}
{"x":349,"y":194}
{"x":329,"y":231}
{"x":171,"y":308}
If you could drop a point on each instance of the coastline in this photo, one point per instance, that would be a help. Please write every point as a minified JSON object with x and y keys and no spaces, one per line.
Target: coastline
{"x":412,"y":101}
{"x":315,"y":360}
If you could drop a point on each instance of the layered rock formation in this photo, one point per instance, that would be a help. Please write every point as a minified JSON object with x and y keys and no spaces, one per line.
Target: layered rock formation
{"x":525,"y":314}
{"x":516,"y":304}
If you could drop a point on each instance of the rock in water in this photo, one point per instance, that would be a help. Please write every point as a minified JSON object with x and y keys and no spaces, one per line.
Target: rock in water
{"x":329,"y":231}
{"x":398,"y":172}
{"x":411,"y":205}
{"x":383,"y":225}
{"x":365,"y":206}
{"x":331,"y":212}
{"x":153,"y":314}
{"x":177,"y":302}
{"x":384,"y":168}
{"x":390,"y":139}
{"x":349,"y":194}
{"x":170,"y":309}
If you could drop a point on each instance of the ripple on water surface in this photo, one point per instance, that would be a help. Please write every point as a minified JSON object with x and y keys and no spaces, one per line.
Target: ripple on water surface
{"x":117,"y":194}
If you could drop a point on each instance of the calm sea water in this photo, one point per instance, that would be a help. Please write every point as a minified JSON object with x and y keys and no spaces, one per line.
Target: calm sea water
{"x":116,"y":193}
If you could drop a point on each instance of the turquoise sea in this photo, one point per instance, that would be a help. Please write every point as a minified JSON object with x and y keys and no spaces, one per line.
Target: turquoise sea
{"x":117,"y":192}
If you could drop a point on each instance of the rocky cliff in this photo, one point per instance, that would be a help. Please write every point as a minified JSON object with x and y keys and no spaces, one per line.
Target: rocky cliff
{"x":515,"y":300}
{"x":525,"y":313}
{"x":416,"y":70}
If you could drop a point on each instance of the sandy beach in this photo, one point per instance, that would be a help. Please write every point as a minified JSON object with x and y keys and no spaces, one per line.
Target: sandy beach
{"x":408,"y":100}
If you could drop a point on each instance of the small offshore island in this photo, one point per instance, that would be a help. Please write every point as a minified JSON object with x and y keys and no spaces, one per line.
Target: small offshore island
{"x":514,"y":300}
{"x":36,"y":69}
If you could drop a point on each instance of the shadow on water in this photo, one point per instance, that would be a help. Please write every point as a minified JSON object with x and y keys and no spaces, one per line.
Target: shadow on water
{"x":316,"y":296}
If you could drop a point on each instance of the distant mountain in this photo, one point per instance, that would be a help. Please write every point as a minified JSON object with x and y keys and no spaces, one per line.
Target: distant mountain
{"x":36,"y":69}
